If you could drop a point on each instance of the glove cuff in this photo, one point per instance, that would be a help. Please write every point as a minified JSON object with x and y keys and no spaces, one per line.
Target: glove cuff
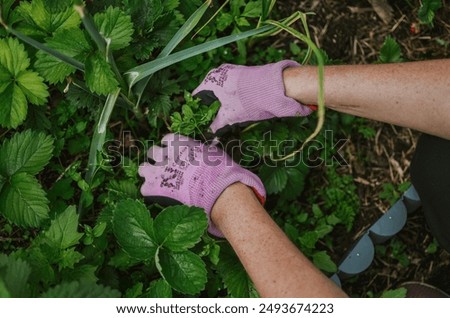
{"x":269,"y":91}
{"x":222,"y":177}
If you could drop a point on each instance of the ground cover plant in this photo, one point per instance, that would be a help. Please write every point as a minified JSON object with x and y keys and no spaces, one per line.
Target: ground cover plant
{"x":85,"y":88}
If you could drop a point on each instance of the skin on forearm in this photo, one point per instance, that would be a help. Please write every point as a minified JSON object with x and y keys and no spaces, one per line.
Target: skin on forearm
{"x":273,"y":262}
{"x":414,"y":95}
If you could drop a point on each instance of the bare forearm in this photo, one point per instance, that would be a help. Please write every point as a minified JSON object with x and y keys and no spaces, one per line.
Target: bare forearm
{"x":414,"y":95}
{"x":275,"y":265}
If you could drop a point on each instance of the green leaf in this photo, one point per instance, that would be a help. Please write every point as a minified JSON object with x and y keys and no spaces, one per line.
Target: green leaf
{"x":274,"y":178}
{"x":82,"y":273}
{"x":134,"y":291}
{"x":144,"y":13}
{"x":23,"y":201}
{"x":180,"y":227}
{"x":57,"y":5}
{"x":390,"y":51}
{"x":159,"y":289}
{"x":14,"y":274}
{"x":33,"y":87}
{"x":46,"y":21}
{"x":13,"y":56}
{"x":184,"y":271}
{"x":114,"y":24}
{"x":427,"y":10}
{"x":309,"y":239}
{"x":17,"y":84}
{"x":14,"y":107}
{"x":9,"y":15}
{"x":133,"y":228}
{"x":323,"y":261}
{"x":27,"y":151}
{"x":99,"y":229}
{"x":296,"y":182}
{"x":99,"y":76}
{"x":122,"y":189}
{"x":69,"y":258}
{"x":72,"y":43}
{"x":233,"y":274}
{"x":223,"y":21}
{"x":81,"y":290}
{"x":253,"y":9}
{"x":63,"y":231}
{"x":4,"y":293}
{"x":394,"y":293}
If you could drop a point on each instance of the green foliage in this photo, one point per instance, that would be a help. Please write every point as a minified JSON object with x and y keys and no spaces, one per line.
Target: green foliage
{"x":71,"y":42}
{"x":391,"y":193}
{"x":233,"y":274}
{"x":41,"y":20}
{"x":14,"y":274}
{"x":79,"y":290}
{"x":394,"y":293}
{"x":22,"y":199}
{"x":133,"y":228}
{"x":194,"y":117}
{"x":18,"y":84}
{"x":427,"y":11}
{"x":116,"y":26}
{"x":390,"y":51}
{"x":164,"y":241}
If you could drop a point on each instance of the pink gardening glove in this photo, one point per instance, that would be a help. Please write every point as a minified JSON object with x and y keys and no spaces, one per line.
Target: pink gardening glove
{"x":249,"y":94}
{"x":188,"y":172}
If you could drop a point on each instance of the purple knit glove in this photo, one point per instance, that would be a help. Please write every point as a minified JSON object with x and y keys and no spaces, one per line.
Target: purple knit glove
{"x":249,"y":93}
{"x":188,"y":172}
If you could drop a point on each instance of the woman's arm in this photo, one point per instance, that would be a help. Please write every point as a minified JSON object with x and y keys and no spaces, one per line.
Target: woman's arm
{"x":273,"y":262}
{"x":414,"y":94}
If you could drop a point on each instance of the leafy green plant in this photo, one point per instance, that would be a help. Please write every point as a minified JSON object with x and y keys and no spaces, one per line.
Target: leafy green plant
{"x":390,"y":52}
{"x":22,"y":199}
{"x":18,"y":84}
{"x":194,"y":118}
{"x":164,"y":241}
{"x":427,"y":11}
{"x":391,"y":193}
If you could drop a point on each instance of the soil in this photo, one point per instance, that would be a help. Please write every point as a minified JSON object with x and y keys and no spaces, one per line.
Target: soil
{"x":352,"y":32}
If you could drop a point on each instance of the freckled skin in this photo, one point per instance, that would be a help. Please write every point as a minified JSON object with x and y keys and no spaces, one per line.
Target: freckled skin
{"x":413,"y":94}
{"x":275,"y":265}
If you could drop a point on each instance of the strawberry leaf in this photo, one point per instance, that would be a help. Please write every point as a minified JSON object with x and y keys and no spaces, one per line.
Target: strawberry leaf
{"x":99,"y":76}
{"x":184,"y":271}
{"x":23,"y":201}
{"x":25,"y":152}
{"x":71,"y":42}
{"x":180,"y":227}
{"x":41,"y":20}
{"x":115,"y":25}
{"x":17,"y":84}
{"x":133,"y":228}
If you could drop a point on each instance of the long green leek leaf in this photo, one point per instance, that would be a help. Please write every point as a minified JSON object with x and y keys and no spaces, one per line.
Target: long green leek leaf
{"x":142,"y":71}
{"x":176,"y":39}
{"x":321,"y":91}
{"x":38,"y":45}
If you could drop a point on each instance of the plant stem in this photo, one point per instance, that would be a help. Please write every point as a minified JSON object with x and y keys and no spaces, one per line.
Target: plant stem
{"x":321,"y":95}
{"x":97,"y":142}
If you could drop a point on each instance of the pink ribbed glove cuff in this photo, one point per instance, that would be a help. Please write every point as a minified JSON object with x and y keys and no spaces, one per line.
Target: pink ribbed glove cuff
{"x":192,"y":173}
{"x":249,"y":93}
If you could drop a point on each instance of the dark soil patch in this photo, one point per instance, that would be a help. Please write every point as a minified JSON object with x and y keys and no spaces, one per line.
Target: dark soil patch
{"x":351,"y":32}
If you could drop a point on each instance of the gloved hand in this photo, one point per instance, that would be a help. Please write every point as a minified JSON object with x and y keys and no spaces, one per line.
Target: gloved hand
{"x":188,"y":172}
{"x":249,"y":94}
